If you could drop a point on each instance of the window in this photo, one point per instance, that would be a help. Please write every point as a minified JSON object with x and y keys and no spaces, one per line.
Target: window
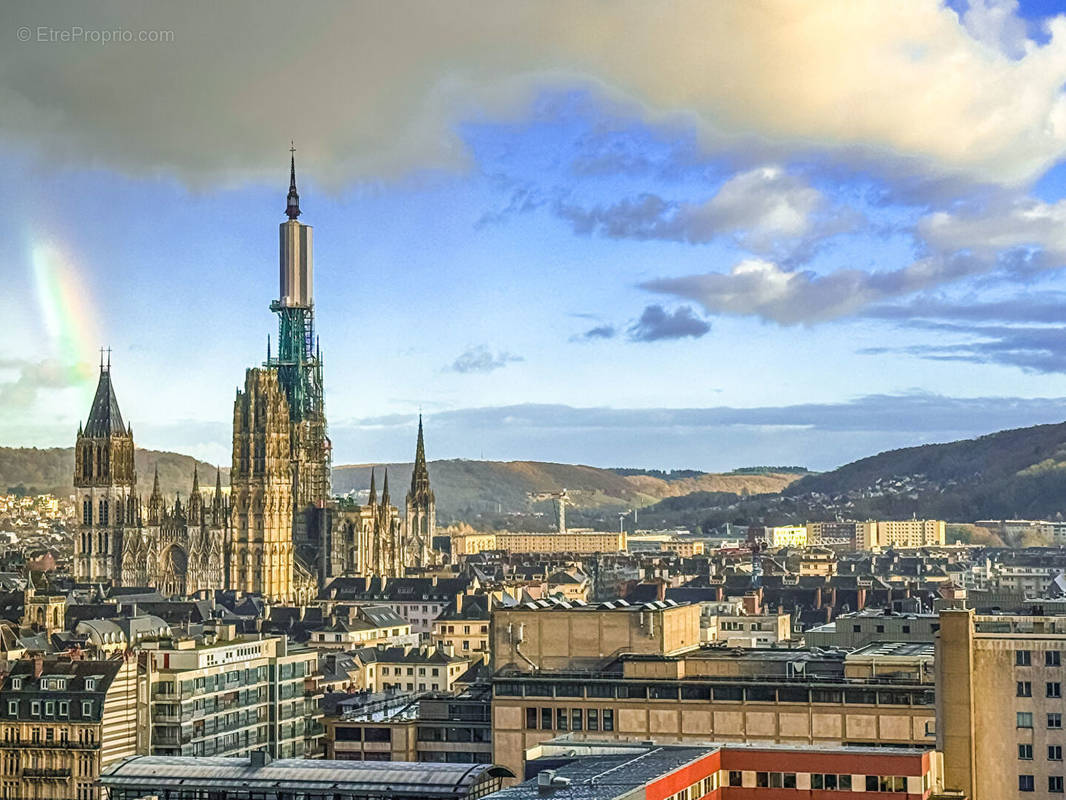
{"x":90,"y":684}
{"x":1054,"y":752}
{"x":561,"y":719}
{"x":546,"y":719}
{"x":608,"y":719}
{"x":531,"y":719}
{"x":50,"y":707}
{"x":1052,"y":658}
{"x":1025,"y":783}
{"x":906,"y":628}
{"x":593,"y":719}
{"x":1054,"y":721}
{"x":16,"y":683}
{"x":1025,"y":719}
{"x":880,"y":628}
{"x":1025,"y":752}
{"x":1054,"y":689}
{"x":1054,"y":784}
{"x":1025,"y":689}
{"x":86,"y":708}
{"x":13,"y":707}
{"x":576,"y":717}
{"x":736,"y":777}
{"x":35,"y":708}
{"x":1022,"y":658}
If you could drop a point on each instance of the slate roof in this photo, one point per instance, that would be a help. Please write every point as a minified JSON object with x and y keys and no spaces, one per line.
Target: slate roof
{"x":104,"y":416}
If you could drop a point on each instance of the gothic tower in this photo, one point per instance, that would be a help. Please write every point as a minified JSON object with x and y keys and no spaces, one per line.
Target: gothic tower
{"x":105,"y":484}
{"x":261,"y":484}
{"x":420,"y":520}
{"x":299,"y":369}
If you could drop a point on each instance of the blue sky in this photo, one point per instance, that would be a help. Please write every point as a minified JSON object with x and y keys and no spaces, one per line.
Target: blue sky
{"x":689,"y":239}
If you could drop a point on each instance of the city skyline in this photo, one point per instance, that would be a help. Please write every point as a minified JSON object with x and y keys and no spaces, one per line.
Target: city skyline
{"x":570,"y":260}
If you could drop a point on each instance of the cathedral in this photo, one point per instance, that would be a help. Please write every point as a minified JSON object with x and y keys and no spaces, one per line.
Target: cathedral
{"x":177,"y":549}
{"x":280,"y":534}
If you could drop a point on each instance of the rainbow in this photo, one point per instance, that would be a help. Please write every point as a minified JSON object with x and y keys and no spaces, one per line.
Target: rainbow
{"x":65,"y":305}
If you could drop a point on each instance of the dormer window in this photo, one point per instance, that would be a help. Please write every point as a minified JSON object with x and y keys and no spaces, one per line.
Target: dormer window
{"x":16,"y":684}
{"x":90,"y":684}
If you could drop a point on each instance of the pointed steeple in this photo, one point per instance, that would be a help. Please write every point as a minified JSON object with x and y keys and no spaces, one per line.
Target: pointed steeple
{"x":373,"y":499}
{"x":104,"y":416}
{"x":218,"y":483}
{"x":195,"y":480}
{"x":292,"y":209}
{"x":155,"y":484}
{"x":385,"y":489}
{"x":420,"y":491}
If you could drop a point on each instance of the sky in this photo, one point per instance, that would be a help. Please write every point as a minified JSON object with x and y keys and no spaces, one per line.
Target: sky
{"x":668,"y":234}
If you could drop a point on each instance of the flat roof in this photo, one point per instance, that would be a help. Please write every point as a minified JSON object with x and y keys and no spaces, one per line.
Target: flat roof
{"x":382,"y":778}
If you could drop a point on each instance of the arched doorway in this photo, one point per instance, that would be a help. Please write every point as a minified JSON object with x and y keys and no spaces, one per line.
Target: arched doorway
{"x":175,"y":570}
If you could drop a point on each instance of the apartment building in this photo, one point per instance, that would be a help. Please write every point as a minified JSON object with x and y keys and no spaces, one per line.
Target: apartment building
{"x":787,"y":536}
{"x":569,"y":542}
{"x":367,"y":626}
{"x":62,"y":722}
{"x":860,"y":628}
{"x":417,"y":600}
{"x":906,"y":533}
{"x":227,"y":694}
{"x":1000,"y":704}
{"x":419,"y":669}
{"x":464,"y":625}
{"x":752,"y":630}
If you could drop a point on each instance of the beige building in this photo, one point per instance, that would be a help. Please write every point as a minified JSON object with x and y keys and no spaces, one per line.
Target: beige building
{"x":902,"y":533}
{"x":467,"y":542}
{"x":419,"y":669}
{"x":464,"y":626}
{"x":999,"y":704}
{"x":61,"y":722}
{"x":752,"y":630}
{"x":557,"y":635}
{"x":569,"y":542}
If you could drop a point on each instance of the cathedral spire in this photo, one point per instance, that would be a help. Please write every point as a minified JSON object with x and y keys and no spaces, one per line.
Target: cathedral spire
{"x":292,"y":209}
{"x":195,"y":479}
{"x":218,"y":483}
{"x":373,"y":491}
{"x":104,"y":416}
{"x":385,"y":489}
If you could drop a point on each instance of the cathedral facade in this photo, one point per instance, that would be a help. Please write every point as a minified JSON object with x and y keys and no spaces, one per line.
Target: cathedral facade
{"x":178,"y":549}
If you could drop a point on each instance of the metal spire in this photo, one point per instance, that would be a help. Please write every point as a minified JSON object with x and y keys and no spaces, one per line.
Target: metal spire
{"x":292,"y":208}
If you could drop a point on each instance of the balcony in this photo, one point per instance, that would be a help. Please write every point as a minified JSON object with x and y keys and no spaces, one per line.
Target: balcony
{"x":32,"y":773}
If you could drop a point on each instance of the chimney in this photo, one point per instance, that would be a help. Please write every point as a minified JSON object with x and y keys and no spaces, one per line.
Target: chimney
{"x":260,"y":758}
{"x":38,"y":666}
{"x":660,"y":589}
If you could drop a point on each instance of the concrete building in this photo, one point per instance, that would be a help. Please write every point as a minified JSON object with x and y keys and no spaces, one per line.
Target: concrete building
{"x":367,"y":626}
{"x":436,"y":728}
{"x":63,"y":721}
{"x":558,"y":635}
{"x":464,"y":626}
{"x":908,"y":533}
{"x":605,"y":770}
{"x":762,"y":696}
{"x":753,"y":630}
{"x":999,"y":704}
{"x":860,"y":628}
{"x":227,"y":694}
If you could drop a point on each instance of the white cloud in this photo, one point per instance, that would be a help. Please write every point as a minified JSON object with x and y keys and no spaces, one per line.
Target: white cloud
{"x":374,"y":89}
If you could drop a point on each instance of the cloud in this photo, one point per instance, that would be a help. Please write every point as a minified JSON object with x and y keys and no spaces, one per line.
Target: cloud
{"x":656,"y":324}
{"x":597,"y":332}
{"x":481,"y":359}
{"x":851,"y":75}
{"x":34,"y":377}
{"x":761,"y":208}
{"x":820,"y":435}
{"x":1047,"y":307}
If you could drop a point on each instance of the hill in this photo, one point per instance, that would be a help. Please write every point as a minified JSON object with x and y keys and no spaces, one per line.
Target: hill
{"x":1018,"y":473}
{"x":51,"y":470}
{"x":465,"y":487}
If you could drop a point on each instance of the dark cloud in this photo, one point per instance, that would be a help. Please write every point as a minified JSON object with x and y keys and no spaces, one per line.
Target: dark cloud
{"x":598,"y":332}
{"x":481,"y":359}
{"x":656,"y":323}
{"x":1032,"y":349}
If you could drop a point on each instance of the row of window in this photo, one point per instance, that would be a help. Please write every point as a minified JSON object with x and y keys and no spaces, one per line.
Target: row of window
{"x":1054,"y":752}
{"x":466,"y":629}
{"x":13,"y":735}
{"x":697,"y":790}
{"x":50,"y":708}
{"x":625,"y":690}
{"x":410,"y":671}
{"x":1025,"y":720}
{"x":1051,"y":689}
{"x":569,"y":719}
{"x":1027,"y":783}
{"x":824,"y":780}
{"x":1024,"y":658}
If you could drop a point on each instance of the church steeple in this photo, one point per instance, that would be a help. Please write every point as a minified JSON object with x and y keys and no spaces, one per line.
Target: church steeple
{"x":420,"y":491}
{"x":292,"y":208}
{"x":385,"y":489}
{"x":373,"y":499}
